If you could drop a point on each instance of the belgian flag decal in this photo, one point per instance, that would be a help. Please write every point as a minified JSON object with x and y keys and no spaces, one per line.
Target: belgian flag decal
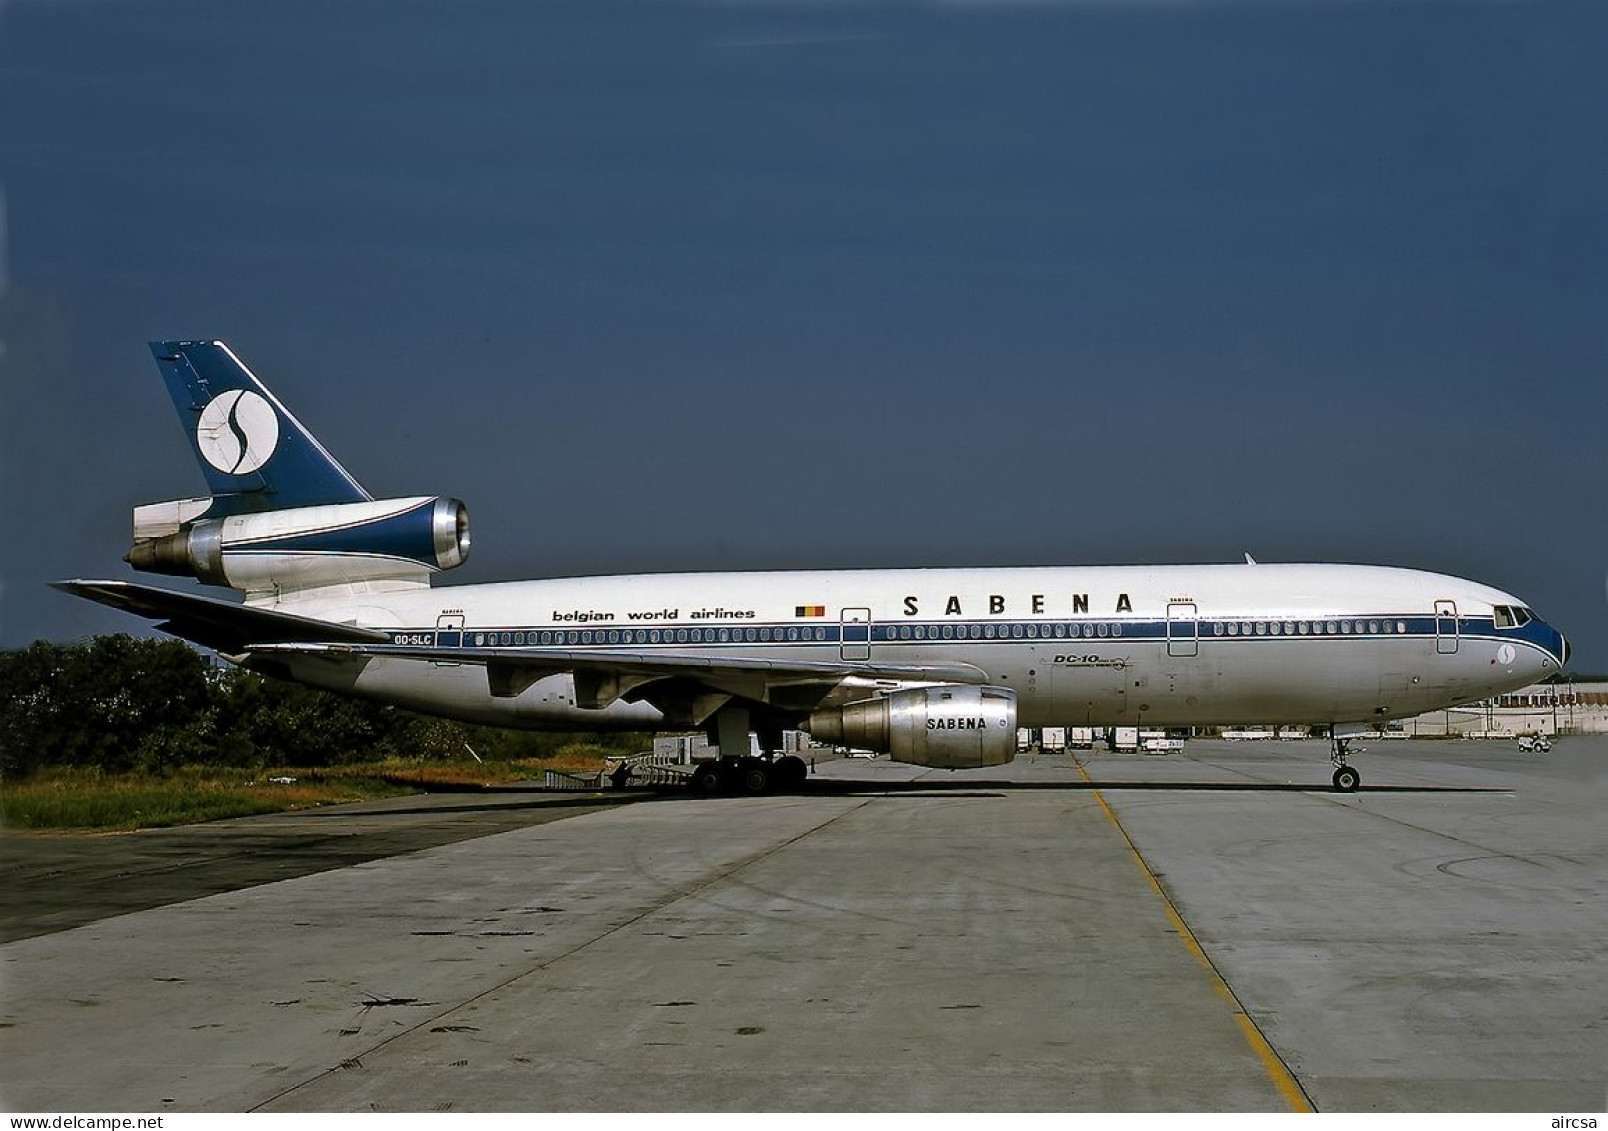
{"x":809,"y":611}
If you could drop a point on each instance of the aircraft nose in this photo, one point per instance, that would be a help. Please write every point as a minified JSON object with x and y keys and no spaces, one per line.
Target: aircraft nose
{"x":1563,"y":650}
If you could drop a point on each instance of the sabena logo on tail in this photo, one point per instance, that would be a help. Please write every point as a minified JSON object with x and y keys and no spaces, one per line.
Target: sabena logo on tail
{"x":238,"y":432}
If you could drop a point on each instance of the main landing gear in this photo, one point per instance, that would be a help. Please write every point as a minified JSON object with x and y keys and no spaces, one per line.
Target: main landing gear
{"x":738,"y":771}
{"x":749,"y":775}
{"x":1346,"y":778}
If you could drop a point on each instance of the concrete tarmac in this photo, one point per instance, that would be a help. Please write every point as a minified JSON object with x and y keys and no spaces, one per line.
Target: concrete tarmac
{"x":1208,"y":932}
{"x":53,"y":881}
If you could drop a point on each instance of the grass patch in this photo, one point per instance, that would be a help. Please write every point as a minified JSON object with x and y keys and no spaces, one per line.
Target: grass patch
{"x":90,"y":799}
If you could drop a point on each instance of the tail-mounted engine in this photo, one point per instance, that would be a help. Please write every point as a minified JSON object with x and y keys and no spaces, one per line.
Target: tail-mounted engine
{"x":303,"y":547}
{"x":950,"y":726}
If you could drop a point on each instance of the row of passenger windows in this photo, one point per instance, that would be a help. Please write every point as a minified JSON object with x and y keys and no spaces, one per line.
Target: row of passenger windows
{"x":1306,"y":628}
{"x":797,"y":635}
{"x":1028,"y":631}
{"x":653,"y":636}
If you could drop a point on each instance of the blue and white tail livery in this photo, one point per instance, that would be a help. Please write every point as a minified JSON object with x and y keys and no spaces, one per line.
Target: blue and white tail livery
{"x":935,"y":667}
{"x":254,"y":454}
{"x":284,"y":518}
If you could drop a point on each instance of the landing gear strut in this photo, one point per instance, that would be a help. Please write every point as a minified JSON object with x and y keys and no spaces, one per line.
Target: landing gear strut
{"x":1346,"y":778}
{"x":735,"y":770}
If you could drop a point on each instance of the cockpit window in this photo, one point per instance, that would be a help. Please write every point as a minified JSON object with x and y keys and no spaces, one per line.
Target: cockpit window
{"x":1511,"y":616}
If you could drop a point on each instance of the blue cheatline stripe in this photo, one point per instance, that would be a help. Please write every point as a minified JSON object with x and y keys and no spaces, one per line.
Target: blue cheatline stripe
{"x":1004,"y":632}
{"x":407,"y":534}
{"x":365,"y":556}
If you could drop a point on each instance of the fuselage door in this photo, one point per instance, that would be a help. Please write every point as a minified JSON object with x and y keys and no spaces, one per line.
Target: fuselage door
{"x":1446,"y":629}
{"x":855,"y":641}
{"x":449,"y":631}
{"x":1183,"y":629}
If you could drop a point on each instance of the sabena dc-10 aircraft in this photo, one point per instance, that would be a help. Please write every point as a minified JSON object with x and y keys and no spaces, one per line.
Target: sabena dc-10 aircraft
{"x":936,"y":667}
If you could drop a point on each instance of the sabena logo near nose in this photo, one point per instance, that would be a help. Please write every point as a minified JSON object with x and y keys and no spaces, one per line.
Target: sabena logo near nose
{"x":238,"y":432}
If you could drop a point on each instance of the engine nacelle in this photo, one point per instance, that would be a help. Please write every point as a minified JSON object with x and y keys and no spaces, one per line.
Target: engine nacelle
{"x":306,"y":547}
{"x":950,"y":726}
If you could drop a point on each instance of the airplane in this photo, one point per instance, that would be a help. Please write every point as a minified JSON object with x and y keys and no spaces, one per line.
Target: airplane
{"x":934,"y":667}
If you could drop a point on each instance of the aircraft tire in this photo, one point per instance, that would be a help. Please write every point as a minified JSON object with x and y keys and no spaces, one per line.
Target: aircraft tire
{"x":755,"y":777}
{"x":790,"y":771}
{"x":1347,"y":780}
{"x":707,"y":779}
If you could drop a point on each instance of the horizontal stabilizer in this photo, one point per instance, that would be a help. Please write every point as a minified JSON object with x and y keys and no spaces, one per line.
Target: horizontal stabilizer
{"x":221,"y":625}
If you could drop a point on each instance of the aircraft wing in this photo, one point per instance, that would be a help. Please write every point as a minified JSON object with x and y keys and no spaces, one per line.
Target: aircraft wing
{"x":682,"y":684}
{"x":604,"y":675}
{"x":221,"y":625}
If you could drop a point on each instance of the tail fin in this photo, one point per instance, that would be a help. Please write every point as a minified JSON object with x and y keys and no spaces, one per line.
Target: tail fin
{"x":255,"y":455}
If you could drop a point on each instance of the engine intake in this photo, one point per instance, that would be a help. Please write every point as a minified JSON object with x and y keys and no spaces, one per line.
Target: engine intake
{"x":305,"y":547}
{"x":949,"y":726}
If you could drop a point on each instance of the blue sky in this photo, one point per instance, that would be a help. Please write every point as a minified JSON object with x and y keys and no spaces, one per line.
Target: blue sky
{"x":757,"y":285}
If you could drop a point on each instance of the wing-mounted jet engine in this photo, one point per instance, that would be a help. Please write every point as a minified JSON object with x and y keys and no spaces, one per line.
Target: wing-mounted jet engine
{"x":948,"y":726}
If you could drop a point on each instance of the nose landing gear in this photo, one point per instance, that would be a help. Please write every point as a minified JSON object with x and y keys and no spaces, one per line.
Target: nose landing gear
{"x":1346,"y":778}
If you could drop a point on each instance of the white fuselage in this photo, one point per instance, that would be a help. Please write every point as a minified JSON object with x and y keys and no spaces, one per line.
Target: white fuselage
{"x":1110,"y":645}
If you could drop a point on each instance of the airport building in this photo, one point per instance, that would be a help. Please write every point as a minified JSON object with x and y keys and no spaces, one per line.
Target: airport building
{"x":1543,"y":708}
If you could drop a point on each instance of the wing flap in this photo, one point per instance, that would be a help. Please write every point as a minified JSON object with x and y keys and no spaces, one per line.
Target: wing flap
{"x":604,"y":675}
